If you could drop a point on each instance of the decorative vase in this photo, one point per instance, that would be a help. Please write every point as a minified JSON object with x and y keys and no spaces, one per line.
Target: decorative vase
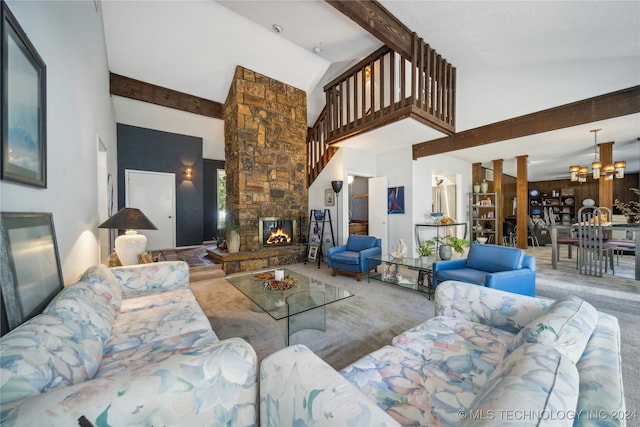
{"x":445,"y":252}
{"x":233,"y":241}
{"x":484,"y":186}
{"x":424,"y":260}
{"x":476,"y":188}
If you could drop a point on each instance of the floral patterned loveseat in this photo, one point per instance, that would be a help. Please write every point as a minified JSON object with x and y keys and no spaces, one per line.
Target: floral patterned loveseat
{"x":126,"y":346}
{"x":489,"y":357}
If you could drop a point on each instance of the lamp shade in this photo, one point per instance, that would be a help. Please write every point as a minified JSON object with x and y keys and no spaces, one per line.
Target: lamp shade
{"x":337,"y":186}
{"x":129,"y":219}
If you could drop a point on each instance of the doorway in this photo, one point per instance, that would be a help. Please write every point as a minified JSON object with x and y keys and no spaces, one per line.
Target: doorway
{"x":154,"y":193}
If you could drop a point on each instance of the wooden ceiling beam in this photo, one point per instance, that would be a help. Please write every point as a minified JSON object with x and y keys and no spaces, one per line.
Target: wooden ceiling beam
{"x":378,"y":21}
{"x":610,"y":105}
{"x":147,"y":92}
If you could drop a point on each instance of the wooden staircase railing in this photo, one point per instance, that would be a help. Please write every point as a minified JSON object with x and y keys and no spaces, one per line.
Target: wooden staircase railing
{"x":381,"y":89}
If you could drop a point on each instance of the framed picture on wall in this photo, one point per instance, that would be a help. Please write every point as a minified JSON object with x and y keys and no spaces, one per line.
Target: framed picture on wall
{"x":329,"y":200}
{"x":395,"y":200}
{"x":24,"y":88}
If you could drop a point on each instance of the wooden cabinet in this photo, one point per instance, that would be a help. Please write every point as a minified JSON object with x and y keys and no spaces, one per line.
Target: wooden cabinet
{"x":483,"y":217}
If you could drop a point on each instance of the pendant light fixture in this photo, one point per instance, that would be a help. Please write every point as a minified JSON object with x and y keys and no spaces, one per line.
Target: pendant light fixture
{"x":608,"y":171}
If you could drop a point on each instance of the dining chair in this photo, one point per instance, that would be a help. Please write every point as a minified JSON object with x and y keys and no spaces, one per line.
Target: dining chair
{"x":508,"y":234}
{"x":593,"y":252}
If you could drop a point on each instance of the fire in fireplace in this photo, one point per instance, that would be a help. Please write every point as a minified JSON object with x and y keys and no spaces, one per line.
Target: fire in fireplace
{"x":278,"y":231}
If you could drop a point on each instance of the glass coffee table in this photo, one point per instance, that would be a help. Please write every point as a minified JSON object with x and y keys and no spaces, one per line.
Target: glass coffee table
{"x":303,"y":305}
{"x":391,"y":273}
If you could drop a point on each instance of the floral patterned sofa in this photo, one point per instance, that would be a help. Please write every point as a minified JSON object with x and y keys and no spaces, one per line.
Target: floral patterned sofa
{"x":489,"y":357}
{"x":126,"y":346}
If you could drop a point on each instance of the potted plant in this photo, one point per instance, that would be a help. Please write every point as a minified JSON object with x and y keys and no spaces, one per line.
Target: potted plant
{"x":630,"y":210}
{"x":232,"y":234}
{"x":447,"y":243}
{"x":425,"y":250}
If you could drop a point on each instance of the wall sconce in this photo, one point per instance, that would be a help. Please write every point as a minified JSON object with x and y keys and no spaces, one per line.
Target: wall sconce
{"x":187,"y":174}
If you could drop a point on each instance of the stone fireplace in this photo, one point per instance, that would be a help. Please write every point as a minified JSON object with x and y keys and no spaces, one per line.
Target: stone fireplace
{"x":265,"y":131}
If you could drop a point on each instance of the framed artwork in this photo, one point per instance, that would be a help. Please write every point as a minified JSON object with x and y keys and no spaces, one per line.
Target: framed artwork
{"x":329,"y":200}
{"x":33,"y":275}
{"x":485,"y":202}
{"x":313,"y":253}
{"x":24,"y":88}
{"x":395,"y":200}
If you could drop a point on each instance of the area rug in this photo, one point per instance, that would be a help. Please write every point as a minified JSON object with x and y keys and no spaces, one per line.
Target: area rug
{"x":354,"y":326}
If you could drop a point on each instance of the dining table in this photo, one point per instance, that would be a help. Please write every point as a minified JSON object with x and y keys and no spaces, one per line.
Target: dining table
{"x":554,"y":228}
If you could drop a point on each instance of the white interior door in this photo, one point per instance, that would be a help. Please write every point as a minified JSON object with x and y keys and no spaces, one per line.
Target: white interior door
{"x":154,"y":193}
{"x":378,"y":210}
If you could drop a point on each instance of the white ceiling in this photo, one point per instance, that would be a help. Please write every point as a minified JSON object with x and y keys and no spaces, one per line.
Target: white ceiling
{"x":194,"y":47}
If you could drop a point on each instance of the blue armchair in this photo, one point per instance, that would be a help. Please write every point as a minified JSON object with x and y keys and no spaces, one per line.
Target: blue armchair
{"x":351,"y":258}
{"x":499,"y":267}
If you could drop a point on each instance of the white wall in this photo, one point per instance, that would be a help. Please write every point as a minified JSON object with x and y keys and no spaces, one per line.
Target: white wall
{"x":397,"y":167}
{"x":491,"y":94}
{"x":70,"y":40}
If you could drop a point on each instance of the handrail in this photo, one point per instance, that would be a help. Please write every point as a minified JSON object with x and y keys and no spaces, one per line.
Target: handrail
{"x":384,"y":87}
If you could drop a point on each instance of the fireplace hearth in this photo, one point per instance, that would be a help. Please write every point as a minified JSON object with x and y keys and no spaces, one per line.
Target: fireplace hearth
{"x":278,"y":231}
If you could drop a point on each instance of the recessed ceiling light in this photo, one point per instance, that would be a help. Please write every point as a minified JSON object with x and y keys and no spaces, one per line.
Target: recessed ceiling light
{"x":317,"y":49}
{"x":277,"y":28}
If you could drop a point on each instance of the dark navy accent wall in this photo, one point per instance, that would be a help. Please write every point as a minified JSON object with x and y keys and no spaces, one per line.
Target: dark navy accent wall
{"x":210,"y":202}
{"x":157,"y":151}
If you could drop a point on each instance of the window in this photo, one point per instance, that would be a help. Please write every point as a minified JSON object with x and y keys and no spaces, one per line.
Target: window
{"x":221,"y":185}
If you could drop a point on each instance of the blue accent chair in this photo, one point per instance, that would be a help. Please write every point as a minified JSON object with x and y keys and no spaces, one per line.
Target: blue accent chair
{"x":351,"y":258}
{"x":499,"y":267}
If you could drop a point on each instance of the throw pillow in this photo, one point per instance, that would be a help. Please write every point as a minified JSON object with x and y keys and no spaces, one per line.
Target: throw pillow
{"x":566,"y":326}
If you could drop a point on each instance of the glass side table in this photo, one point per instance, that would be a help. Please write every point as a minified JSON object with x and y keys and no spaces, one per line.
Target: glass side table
{"x":422,"y":282}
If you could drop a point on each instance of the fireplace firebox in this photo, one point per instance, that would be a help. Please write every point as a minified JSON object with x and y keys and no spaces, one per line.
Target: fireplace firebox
{"x":278,"y":231}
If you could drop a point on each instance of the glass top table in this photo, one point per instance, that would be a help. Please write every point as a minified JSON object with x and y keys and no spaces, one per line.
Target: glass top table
{"x":391,"y":272}
{"x":303,"y":305}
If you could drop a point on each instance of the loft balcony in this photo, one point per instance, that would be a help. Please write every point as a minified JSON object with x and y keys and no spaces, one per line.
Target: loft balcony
{"x":382,"y":89}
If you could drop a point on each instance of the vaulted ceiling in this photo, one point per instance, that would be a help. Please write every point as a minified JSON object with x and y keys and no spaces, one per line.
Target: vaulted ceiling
{"x":193,"y":47}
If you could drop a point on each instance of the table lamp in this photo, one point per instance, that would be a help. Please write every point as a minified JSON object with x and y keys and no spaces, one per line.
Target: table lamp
{"x":130,"y":245}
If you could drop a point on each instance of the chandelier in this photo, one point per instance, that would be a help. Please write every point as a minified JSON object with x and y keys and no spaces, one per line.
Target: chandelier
{"x":580,"y":173}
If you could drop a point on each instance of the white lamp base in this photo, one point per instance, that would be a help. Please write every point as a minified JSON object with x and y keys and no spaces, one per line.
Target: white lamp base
{"x":129,"y":246}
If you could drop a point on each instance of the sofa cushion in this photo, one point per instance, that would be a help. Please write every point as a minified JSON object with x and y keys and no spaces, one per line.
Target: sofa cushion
{"x":358,"y":243}
{"x":150,"y":279}
{"x":168,"y":314}
{"x":154,"y":352}
{"x":408,"y":389}
{"x":566,"y":325}
{"x":494,"y":258}
{"x":105,"y":283}
{"x":467,"y":275}
{"x":467,"y":350}
{"x":533,"y":383}
{"x":47,"y":352}
{"x":346,"y":257}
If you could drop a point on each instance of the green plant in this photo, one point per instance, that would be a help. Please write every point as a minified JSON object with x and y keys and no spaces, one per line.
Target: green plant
{"x":231,"y":224}
{"x":631,"y":209}
{"x":426,"y":248}
{"x":455,"y":242}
